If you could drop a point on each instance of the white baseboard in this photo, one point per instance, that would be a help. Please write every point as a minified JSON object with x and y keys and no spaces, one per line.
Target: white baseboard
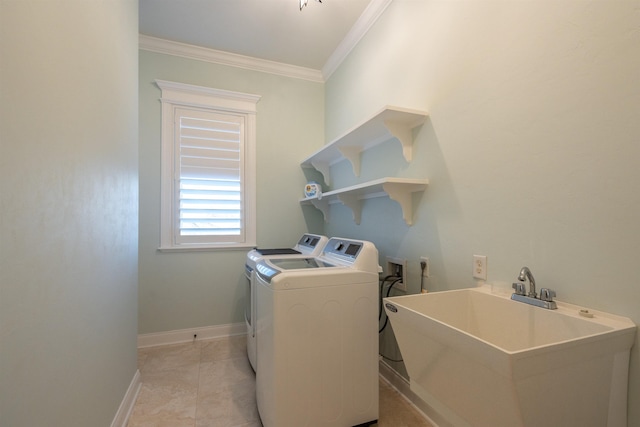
{"x":186,"y":335}
{"x":126,"y":406}
{"x":398,"y":382}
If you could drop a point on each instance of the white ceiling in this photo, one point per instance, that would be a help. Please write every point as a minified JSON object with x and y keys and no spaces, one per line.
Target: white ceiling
{"x":273,"y":30}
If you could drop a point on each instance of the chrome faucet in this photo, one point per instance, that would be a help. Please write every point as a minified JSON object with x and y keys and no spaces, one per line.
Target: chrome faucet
{"x":525,"y":274}
{"x":520,"y":294}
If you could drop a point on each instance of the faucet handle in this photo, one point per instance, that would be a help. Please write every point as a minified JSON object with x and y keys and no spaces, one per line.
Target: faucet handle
{"x":519,"y":288}
{"x":547,"y":294}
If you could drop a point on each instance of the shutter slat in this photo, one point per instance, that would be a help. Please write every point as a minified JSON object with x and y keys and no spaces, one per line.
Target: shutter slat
{"x":210,"y":162}
{"x":228,"y":126}
{"x":224,"y":151}
{"x":220,"y":232}
{"x":211,"y":173}
{"x":200,"y":136}
{"x":209,"y":225}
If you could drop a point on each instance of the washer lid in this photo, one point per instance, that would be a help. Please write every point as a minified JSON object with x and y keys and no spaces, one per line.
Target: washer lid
{"x":274,"y":266}
{"x":277,"y":251}
{"x":299,"y":263}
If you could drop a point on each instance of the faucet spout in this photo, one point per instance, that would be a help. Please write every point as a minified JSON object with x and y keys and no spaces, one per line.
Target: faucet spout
{"x":546,"y":295}
{"x":525,"y":274}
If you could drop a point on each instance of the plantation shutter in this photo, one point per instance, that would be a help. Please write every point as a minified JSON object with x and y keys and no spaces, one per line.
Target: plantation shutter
{"x":209,"y":176}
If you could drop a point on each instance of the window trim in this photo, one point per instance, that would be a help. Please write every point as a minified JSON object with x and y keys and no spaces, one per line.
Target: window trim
{"x":179,"y":95}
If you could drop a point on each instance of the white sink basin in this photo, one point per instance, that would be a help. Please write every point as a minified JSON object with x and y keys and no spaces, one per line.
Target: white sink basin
{"x":481,"y":359}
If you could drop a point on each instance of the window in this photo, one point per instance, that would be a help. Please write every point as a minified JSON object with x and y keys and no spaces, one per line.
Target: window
{"x":208,"y":168}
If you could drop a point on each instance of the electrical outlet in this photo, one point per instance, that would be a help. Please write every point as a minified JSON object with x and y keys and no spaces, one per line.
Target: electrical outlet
{"x":480,"y":267}
{"x":400,"y":266}
{"x":425,"y":272}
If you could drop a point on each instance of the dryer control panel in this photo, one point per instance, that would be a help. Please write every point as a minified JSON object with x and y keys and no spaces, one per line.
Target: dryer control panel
{"x":310,"y":241}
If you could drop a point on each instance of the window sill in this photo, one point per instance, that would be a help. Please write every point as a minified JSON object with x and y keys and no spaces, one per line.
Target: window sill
{"x":204,"y":248}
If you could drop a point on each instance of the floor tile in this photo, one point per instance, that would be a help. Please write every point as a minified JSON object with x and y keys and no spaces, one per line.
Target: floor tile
{"x":224,"y":348}
{"x":210,"y":383}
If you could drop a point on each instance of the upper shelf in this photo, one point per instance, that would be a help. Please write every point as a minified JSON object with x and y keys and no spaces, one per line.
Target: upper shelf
{"x":390,"y":122}
{"x":398,"y":189}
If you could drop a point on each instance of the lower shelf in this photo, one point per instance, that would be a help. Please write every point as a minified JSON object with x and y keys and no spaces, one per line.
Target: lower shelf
{"x":398,"y":189}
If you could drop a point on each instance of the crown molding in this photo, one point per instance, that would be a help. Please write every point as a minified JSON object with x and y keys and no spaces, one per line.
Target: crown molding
{"x":168,"y":47}
{"x":369,"y":17}
{"x":359,"y":29}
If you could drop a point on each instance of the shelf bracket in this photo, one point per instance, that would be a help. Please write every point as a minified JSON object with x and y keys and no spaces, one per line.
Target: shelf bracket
{"x":323,"y":206}
{"x":354,"y":203}
{"x":323,"y":168}
{"x":353,"y":155}
{"x":402,"y":195}
{"x":404,"y":134}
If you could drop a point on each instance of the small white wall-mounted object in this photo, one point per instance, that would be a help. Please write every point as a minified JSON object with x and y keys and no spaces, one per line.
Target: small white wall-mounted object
{"x":480,"y":267}
{"x":390,"y":122}
{"x":398,"y":263}
{"x":398,"y":189}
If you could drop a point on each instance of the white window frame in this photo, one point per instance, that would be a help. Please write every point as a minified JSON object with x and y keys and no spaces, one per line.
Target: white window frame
{"x":178,"y":96}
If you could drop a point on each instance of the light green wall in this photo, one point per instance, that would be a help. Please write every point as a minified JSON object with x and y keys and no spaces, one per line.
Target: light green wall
{"x":195,"y":289}
{"x":68,"y":210}
{"x":531,"y":148}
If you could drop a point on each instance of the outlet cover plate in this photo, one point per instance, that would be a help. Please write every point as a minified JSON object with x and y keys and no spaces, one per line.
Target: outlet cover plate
{"x":480,"y":267}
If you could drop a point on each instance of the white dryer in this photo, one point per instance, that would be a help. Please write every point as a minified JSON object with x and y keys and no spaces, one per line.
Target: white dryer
{"x":309,"y":245}
{"x":317,"y":327}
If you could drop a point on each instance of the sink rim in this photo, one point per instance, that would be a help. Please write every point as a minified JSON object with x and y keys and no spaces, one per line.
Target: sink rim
{"x":615,"y":325}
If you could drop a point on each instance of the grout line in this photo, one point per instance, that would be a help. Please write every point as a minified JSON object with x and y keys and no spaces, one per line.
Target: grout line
{"x":195,"y":421}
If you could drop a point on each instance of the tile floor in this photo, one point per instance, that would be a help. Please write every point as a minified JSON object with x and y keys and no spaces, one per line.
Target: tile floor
{"x":210,"y":383}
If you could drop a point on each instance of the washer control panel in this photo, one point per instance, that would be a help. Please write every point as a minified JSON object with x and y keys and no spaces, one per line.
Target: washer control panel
{"x":343,"y":247}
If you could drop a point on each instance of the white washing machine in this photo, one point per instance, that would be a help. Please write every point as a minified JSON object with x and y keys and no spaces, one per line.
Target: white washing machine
{"x":309,"y":245}
{"x":317,"y":327}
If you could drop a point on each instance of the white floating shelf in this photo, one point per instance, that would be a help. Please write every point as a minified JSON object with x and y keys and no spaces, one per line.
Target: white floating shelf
{"x":398,"y":189}
{"x":390,"y":122}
